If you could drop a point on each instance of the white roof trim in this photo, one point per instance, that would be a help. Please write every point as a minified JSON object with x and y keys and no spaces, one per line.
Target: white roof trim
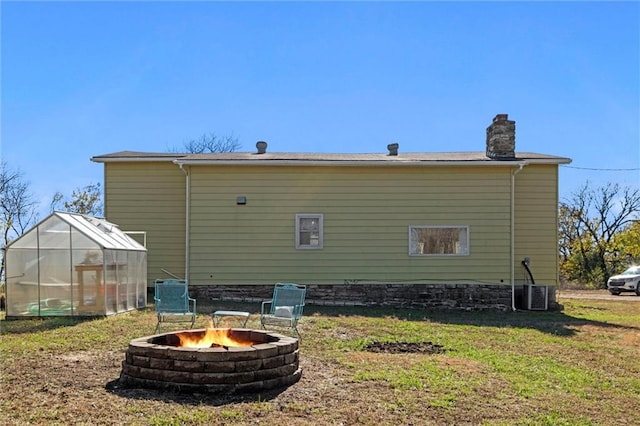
{"x":351,"y":163}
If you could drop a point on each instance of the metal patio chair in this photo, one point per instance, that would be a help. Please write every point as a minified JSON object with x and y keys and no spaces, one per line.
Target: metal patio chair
{"x":284,"y":309}
{"x":173,"y":303}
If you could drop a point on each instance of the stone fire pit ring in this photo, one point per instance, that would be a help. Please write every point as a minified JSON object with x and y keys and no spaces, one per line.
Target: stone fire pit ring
{"x":157,"y":362}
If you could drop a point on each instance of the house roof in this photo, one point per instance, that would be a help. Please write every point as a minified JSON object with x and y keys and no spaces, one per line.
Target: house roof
{"x":136,"y":156}
{"x":301,"y":158}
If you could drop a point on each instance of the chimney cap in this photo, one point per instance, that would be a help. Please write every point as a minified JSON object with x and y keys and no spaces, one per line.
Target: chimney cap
{"x":501,"y":117}
{"x":261,"y":146}
{"x":393,"y":148}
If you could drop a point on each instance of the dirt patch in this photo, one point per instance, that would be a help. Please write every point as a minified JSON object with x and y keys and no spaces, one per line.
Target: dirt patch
{"x":405,"y":347}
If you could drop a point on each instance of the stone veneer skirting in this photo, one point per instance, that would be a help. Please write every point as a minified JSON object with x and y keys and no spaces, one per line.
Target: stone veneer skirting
{"x":468,"y":297}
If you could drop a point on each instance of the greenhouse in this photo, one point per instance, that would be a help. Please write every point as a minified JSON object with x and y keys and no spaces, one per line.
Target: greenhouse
{"x":75,"y":265}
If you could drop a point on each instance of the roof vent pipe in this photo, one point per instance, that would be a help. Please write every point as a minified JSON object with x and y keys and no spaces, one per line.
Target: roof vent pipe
{"x":262,"y":147}
{"x":393,"y":148}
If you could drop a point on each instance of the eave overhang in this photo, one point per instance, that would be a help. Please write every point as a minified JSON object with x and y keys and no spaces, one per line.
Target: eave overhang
{"x":459,"y":159}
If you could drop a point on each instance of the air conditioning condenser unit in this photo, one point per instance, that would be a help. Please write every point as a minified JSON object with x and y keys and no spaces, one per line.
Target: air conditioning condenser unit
{"x":536,"y":297}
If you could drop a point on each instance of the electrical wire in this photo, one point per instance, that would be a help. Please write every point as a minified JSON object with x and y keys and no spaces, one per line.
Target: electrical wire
{"x":602,"y":170}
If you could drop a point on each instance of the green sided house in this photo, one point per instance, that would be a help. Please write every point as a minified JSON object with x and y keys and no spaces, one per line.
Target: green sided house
{"x":469,"y":230}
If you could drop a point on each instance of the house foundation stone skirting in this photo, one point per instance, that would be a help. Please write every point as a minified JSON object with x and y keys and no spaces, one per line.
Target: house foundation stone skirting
{"x":467,"y":297}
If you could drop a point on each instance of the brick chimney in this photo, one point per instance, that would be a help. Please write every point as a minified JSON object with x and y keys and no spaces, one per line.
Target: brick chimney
{"x":501,"y":138}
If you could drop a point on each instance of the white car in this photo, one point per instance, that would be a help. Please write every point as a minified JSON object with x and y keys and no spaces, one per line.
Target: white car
{"x":629,"y":280}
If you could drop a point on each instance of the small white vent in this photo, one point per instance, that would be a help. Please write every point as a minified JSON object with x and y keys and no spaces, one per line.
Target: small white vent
{"x":537,"y":297}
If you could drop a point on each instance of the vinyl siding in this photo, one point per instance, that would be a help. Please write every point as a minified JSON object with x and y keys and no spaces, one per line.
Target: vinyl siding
{"x":150,"y":197}
{"x":367,"y":212}
{"x":536,"y":223}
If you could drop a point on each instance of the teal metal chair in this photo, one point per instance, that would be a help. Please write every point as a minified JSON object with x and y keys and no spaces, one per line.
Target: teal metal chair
{"x":173,"y":303}
{"x":284,"y":309}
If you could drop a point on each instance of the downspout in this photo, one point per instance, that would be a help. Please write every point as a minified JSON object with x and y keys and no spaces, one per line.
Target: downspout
{"x":513,"y":230}
{"x":186,"y":221}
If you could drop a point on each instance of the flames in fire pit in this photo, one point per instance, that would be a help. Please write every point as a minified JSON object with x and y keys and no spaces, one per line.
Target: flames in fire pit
{"x":212,"y":337}
{"x":212,"y":360}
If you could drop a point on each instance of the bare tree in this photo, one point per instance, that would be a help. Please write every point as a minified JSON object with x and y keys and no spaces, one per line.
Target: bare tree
{"x":56,"y":202}
{"x":589,"y":223}
{"x":86,"y":200}
{"x":17,"y":207}
{"x":209,"y":143}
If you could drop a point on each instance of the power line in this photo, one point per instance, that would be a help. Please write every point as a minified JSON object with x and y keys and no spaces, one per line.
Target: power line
{"x":602,"y":170}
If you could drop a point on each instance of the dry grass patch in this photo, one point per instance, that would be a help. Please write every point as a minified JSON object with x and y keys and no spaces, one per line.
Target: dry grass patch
{"x":523,"y":368}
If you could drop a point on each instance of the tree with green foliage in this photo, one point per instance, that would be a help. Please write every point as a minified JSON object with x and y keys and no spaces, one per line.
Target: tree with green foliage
{"x":626,"y":246}
{"x":591,"y":223}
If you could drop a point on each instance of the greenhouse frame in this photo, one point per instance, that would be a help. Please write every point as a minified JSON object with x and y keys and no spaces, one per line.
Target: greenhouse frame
{"x":74,"y":265}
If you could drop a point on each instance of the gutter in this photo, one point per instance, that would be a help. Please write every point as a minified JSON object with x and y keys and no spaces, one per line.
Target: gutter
{"x":361,"y":163}
{"x":513,"y":229}
{"x":187,"y":197}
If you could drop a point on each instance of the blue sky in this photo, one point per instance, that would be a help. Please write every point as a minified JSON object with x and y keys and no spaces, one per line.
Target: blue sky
{"x":80,"y":79}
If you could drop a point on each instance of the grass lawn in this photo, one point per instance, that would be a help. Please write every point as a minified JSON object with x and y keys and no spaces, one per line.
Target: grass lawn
{"x":580,"y":366}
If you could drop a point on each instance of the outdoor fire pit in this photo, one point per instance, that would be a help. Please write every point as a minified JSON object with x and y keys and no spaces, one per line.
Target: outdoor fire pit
{"x":214,"y":360}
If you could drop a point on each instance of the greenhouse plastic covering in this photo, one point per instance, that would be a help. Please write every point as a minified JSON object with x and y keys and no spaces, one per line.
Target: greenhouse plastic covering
{"x":75,"y":265}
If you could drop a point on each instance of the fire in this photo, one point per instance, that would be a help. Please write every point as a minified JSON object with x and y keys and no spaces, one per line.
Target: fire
{"x":213,"y":337}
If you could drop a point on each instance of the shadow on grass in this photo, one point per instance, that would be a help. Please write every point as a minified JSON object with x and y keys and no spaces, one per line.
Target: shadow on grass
{"x":45,"y":323}
{"x":556,"y":323}
{"x":552,"y":322}
{"x":191,"y":397}
{"x":39,"y":324}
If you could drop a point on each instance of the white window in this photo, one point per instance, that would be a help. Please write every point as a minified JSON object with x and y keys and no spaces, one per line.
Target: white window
{"x":438,"y":240}
{"x":308,"y":231}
